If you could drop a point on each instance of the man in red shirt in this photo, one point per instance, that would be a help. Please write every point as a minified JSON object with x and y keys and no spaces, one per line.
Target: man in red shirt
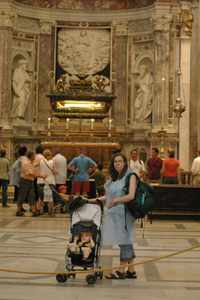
{"x":154,"y":166}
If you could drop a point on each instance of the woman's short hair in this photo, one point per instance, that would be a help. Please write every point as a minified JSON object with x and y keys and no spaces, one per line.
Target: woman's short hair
{"x":22,"y":150}
{"x":113,"y":172}
{"x":39,"y":149}
{"x":134,"y":150}
{"x":171,"y":153}
{"x":155,"y":150}
{"x":30,"y":154}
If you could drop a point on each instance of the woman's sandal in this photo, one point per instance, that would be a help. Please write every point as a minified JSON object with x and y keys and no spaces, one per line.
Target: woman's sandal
{"x":131,"y":275}
{"x":116,"y":275}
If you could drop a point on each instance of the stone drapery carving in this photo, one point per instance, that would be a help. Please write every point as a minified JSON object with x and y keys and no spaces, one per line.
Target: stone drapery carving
{"x":144,"y":94}
{"x":21,"y":86}
{"x":89,"y":4}
{"x":83,"y":52}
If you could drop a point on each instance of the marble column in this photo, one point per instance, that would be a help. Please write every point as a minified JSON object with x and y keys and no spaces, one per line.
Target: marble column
{"x":120,"y":68}
{"x":195,"y":86}
{"x":161,"y":76}
{"x":184,"y":126}
{"x":45,"y":66}
{"x":6,"y":22}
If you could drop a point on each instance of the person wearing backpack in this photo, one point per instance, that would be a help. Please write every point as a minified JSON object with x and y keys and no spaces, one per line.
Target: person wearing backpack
{"x":118,"y":225}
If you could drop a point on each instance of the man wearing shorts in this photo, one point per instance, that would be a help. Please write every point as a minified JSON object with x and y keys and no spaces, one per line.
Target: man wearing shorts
{"x":80,"y":166}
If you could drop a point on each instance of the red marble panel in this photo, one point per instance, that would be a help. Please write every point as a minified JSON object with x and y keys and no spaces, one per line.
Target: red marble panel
{"x":45,"y":58}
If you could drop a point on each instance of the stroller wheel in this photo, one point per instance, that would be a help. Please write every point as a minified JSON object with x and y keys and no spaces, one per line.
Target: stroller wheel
{"x":99,"y":275}
{"x":91,"y":279}
{"x":61,"y":277}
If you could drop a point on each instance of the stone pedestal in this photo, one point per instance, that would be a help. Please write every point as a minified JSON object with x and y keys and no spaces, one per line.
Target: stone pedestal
{"x":21,"y":129}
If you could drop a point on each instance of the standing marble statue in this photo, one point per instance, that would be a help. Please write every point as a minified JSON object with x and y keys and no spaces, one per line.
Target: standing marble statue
{"x":21,"y":85}
{"x":144,"y":94}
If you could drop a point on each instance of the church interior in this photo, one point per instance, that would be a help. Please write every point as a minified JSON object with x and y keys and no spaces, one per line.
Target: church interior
{"x":107,"y":76}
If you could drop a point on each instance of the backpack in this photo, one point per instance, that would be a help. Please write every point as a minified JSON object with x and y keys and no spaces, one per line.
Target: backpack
{"x":143,"y":203}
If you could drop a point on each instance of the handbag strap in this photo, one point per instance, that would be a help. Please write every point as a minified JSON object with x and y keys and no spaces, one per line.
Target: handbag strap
{"x":48,"y":166}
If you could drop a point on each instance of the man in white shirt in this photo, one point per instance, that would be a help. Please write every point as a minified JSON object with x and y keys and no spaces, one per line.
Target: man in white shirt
{"x":196,"y":170}
{"x":135,"y":164}
{"x":60,"y":164}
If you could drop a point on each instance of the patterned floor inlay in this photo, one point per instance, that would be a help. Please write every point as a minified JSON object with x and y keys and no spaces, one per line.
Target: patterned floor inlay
{"x":38,"y":245}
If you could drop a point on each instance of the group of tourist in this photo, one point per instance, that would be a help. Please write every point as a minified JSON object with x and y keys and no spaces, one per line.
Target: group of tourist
{"x":39,"y":177}
{"x":166,"y":171}
{"x":34,"y":175}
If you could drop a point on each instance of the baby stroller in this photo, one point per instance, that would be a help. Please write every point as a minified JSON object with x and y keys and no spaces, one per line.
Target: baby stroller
{"x":83,"y":250}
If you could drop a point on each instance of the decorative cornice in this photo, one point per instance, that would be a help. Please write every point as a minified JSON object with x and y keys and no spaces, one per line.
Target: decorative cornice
{"x":84,"y":4}
{"x":51,"y":14}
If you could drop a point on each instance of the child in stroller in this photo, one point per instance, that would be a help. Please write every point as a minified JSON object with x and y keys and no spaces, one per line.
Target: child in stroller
{"x":82,"y":245}
{"x":83,"y":249}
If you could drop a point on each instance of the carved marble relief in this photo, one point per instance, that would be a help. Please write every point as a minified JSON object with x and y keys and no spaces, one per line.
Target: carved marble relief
{"x":21,"y":86}
{"x":89,"y":4}
{"x":144,"y":92}
{"x":27,"y":25}
{"x":84,"y":53}
{"x":142,"y":82}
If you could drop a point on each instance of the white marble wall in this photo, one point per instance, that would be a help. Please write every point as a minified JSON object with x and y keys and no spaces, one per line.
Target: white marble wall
{"x":145,"y":35}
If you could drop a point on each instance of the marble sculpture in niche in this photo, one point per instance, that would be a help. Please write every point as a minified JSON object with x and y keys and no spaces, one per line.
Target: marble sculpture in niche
{"x":21,"y":87}
{"x":84,"y":53}
{"x":144,"y":94}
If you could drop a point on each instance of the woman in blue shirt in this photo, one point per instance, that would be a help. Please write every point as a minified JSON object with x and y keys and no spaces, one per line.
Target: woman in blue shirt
{"x":118,"y":229}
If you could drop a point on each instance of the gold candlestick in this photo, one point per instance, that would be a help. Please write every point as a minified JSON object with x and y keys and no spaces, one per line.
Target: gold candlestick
{"x":67,"y":120}
{"x":49,"y":123}
{"x":92,"y":124}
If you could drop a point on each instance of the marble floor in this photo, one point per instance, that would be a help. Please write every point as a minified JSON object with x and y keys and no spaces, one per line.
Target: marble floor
{"x":38,"y":245}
